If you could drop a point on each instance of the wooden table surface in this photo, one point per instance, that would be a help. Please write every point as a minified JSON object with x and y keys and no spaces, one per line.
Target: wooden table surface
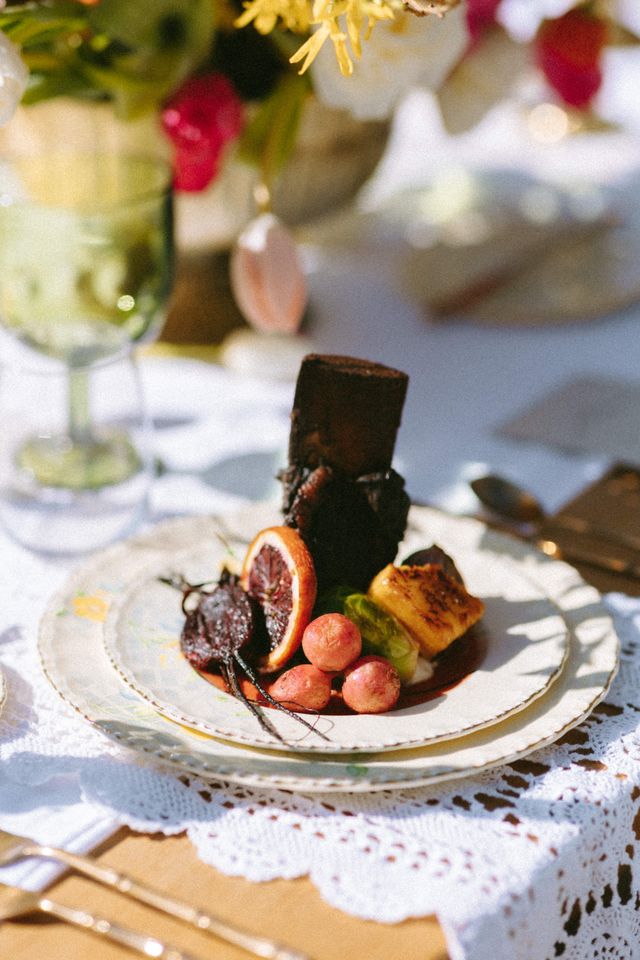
{"x":288,"y":910}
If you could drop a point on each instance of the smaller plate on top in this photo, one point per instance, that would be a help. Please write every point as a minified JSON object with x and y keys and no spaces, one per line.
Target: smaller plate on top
{"x":524,"y":640}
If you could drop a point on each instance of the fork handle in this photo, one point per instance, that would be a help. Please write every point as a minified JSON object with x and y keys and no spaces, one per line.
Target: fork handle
{"x":258,"y":946}
{"x":138,"y":942}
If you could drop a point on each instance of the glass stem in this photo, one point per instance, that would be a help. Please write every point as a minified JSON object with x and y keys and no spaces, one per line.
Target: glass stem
{"x":79,"y":416}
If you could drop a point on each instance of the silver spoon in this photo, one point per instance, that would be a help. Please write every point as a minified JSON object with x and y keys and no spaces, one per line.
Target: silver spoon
{"x":510,"y":502}
{"x":507,"y":500}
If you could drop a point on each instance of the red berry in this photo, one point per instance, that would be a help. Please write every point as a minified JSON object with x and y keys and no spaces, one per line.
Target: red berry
{"x":371,"y":685}
{"x":302,"y":688}
{"x":200,"y":119}
{"x":569,"y":52}
{"x":331,"y":642}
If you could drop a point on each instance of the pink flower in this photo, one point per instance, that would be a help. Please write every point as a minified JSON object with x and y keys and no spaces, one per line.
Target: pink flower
{"x":201,"y":118}
{"x":569,"y":53}
{"x":480,"y":15}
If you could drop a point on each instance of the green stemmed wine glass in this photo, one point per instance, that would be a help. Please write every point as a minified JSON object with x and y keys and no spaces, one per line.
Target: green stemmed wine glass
{"x":86,"y":268}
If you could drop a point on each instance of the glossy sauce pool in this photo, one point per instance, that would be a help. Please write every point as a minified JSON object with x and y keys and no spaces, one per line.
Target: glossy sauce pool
{"x":461,"y":659}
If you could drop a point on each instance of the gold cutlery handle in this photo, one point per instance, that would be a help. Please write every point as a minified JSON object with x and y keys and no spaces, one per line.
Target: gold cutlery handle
{"x":138,"y":942}
{"x":258,"y":946}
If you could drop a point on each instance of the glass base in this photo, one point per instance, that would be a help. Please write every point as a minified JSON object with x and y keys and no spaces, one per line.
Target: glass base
{"x":91,"y":464}
{"x":57,"y":522}
{"x":75,"y":470}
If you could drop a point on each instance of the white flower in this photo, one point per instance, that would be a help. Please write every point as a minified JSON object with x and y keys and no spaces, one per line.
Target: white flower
{"x":406,"y":52}
{"x":13,"y":78}
{"x":522,"y":17}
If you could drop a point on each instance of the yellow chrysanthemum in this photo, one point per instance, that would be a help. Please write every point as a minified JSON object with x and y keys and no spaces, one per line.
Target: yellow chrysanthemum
{"x":90,"y":608}
{"x":344,"y":22}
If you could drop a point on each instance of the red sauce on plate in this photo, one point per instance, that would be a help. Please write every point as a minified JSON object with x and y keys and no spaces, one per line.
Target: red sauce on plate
{"x":461,"y":659}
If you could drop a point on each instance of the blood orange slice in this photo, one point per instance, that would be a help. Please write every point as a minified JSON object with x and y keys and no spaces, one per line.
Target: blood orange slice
{"x":278,"y":573}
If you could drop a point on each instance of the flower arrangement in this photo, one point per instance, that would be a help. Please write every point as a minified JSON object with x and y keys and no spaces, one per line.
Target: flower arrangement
{"x":200,"y":63}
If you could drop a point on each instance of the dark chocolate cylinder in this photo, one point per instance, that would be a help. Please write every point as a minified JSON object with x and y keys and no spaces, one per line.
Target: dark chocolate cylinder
{"x":346,"y":414}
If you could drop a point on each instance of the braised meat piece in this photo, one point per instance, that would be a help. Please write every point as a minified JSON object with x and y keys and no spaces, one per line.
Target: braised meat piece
{"x":340,"y":491}
{"x":346,"y":414}
{"x":352,"y":527}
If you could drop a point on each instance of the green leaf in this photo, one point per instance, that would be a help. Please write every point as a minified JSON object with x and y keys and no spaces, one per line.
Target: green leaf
{"x":132,"y":95}
{"x":29,"y":35}
{"x":44,"y":11}
{"x":38,"y":27}
{"x":146,"y":50}
{"x":135,"y":53}
{"x":159,"y":26}
{"x":45,"y":86}
{"x":56,"y":11}
{"x":269,"y":137}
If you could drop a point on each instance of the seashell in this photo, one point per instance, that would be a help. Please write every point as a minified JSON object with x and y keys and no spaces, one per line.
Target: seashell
{"x":267,"y":279}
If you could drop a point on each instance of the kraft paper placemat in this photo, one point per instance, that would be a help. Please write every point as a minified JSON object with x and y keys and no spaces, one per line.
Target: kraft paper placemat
{"x":589,"y":414}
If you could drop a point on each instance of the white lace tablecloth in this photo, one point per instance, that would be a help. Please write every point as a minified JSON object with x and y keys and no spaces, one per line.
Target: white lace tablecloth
{"x":536,"y":859}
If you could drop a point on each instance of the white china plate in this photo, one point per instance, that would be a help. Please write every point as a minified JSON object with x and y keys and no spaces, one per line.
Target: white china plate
{"x":75,"y":660}
{"x":526,"y":637}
